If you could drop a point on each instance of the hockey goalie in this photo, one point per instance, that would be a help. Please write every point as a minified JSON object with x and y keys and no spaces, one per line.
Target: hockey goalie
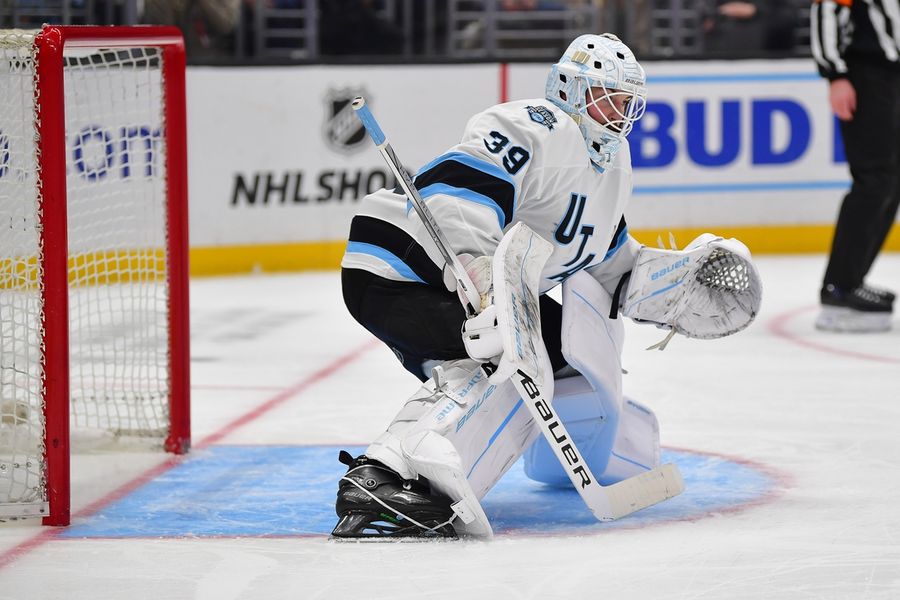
{"x":533,"y":197}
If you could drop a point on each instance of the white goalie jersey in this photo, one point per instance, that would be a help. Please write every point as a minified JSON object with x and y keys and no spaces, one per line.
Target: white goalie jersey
{"x":523,"y":161}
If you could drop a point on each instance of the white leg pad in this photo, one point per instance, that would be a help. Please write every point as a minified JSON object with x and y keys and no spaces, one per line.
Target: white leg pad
{"x":487,"y":424}
{"x":462,"y":433}
{"x":636,"y":448}
{"x":434,"y":457}
{"x":615,"y":446}
{"x":618,"y":437}
{"x":386,"y":447}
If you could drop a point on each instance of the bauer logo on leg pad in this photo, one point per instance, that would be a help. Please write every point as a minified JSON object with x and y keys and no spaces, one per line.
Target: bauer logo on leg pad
{"x":475,"y":408}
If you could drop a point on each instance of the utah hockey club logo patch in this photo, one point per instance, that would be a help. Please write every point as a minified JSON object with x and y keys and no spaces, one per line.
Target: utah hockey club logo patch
{"x":343,"y":131}
{"x":542,"y":116}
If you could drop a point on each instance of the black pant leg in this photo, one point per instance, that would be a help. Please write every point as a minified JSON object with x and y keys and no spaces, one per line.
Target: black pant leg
{"x":871,"y":147}
{"x":551,"y":331}
{"x":891,"y":129}
{"x":419,"y":322}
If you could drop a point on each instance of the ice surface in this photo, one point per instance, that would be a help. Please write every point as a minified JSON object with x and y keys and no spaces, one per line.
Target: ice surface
{"x":279,"y":366}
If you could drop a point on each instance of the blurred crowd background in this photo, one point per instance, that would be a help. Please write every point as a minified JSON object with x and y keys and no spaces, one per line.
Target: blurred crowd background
{"x":384,"y":31}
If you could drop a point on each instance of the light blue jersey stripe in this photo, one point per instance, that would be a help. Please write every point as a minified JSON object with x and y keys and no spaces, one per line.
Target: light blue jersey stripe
{"x":464,"y":194}
{"x":470,"y":161}
{"x":620,"y":241}
{"x":380,"y":253}
{"x":479,"y":165}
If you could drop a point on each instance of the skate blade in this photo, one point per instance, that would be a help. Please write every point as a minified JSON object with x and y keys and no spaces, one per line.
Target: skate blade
{"x":391,"y":540}
{"x":845,"y":320}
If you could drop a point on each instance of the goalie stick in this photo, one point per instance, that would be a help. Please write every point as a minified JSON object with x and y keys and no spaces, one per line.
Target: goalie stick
{"x":607,"y":503}
{"x":443,"y":246}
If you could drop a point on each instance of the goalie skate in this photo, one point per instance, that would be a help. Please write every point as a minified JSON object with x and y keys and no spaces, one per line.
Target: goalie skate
{"x":433,"y":456}
{"x":375,"y":503}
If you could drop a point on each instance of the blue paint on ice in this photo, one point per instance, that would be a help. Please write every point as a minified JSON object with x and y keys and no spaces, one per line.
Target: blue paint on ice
{"x":285,"y":491}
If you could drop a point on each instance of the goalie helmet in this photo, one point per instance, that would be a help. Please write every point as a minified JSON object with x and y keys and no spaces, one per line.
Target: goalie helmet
{"x":599,"y":61}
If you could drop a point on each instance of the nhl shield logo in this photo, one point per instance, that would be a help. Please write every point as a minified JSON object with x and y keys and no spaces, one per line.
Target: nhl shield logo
{"x":343,"y":131}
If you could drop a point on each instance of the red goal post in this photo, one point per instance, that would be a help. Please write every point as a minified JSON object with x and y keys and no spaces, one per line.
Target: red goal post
{"x":96,"y":311}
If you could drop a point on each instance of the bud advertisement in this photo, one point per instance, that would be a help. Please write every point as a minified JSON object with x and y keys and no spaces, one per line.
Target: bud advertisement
{"x":278,"y":158}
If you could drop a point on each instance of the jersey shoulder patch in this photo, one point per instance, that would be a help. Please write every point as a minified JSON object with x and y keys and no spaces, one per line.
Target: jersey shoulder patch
{"x":541,"y":115}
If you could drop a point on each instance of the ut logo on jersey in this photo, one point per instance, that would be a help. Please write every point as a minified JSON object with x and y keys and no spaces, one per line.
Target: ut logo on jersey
{"x":569,"y":230}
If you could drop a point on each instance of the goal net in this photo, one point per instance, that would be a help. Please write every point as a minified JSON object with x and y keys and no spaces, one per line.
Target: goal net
{"x":93,"y":295}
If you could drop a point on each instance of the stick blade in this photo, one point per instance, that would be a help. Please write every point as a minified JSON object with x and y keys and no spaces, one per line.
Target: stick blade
{"x":654,"y":486}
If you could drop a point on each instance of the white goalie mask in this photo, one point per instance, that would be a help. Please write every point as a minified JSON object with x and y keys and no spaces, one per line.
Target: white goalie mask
{"x":599,"y":70}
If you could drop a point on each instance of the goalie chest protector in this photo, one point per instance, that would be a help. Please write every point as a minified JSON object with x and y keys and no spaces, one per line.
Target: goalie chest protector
{"x":522,"y":161}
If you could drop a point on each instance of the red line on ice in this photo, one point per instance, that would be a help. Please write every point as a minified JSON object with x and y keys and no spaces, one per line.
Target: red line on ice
{"x":778,"y":327}
{"x":780,"y":480}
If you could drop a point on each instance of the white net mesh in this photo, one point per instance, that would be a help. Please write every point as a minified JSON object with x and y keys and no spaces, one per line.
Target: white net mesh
{"x":21,"y":376}
{"x":118,"y":315}
{"x":117,"y":235}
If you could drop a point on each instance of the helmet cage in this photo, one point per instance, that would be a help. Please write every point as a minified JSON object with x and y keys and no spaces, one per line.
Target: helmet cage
{"x":608,"y":101}
{"x":602,"y":71}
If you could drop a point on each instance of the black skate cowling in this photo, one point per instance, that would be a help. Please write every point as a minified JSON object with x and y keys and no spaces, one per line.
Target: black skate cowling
{"x":375,"y":503}
{"x":861,"y":299}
